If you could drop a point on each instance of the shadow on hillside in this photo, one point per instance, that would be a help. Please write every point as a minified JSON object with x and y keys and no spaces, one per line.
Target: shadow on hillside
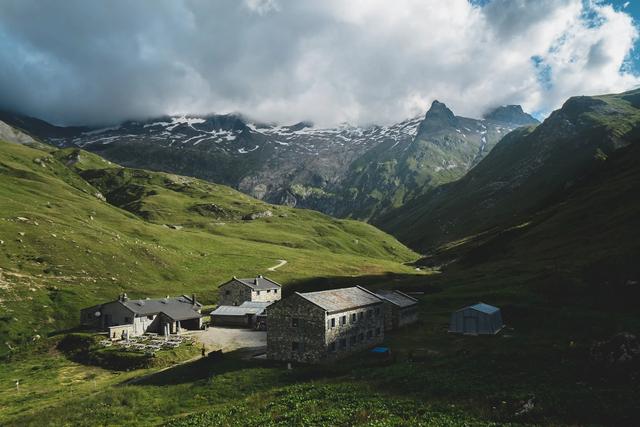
{"x":423,"y":283}
{"x":203,"y":368}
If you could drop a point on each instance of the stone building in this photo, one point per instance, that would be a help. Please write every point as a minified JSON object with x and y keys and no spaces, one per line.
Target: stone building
{"x":316,"y":327}
{"x":124,"y":317}
{"x":399,"y":309}
{"x":260,"y":289}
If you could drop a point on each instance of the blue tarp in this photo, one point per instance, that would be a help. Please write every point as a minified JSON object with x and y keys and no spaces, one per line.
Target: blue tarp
{"x":380,"y":350}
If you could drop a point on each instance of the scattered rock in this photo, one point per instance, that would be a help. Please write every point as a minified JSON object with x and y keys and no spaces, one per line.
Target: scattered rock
{"x":621,"y":349}
{"x":91,"y":217}
{"x":21,"y":233}
{"x":175,"y":227}
{"x":53,"y":235}
{"x":527,"y":407}
{"x":99,"y":196}
{"x":256,"y":215}
{"x":23,"y":219}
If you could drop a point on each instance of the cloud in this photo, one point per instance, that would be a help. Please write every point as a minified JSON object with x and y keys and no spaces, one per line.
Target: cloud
{"x":361,"y":61}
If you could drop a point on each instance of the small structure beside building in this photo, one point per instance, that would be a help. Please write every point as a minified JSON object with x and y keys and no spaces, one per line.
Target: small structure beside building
{"x":248,"y":314}
{"x":259,"y":289}
{"x":316,"y":327}
{"x":124,"y":318}
{"x":478,"y":319}
{"x":400,"y":309}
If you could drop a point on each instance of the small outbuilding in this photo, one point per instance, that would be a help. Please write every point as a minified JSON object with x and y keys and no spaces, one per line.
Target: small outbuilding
{"x":247,"y":314}
{"x":478,"y":319}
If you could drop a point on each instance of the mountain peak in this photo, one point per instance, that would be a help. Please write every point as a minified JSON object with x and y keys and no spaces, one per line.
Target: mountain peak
{"x":438,"y":117}
{"x":510,"y":114}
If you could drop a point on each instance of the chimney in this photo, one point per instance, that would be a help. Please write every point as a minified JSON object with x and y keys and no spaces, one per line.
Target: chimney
{"x":124,"y":297}
{"x":193,"y":299}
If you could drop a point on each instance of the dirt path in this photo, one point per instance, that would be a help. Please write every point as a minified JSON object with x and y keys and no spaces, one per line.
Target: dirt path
{"x":280,"y":264}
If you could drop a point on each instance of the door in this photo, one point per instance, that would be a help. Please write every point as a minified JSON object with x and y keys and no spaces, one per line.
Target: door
{"x":471,"y":325}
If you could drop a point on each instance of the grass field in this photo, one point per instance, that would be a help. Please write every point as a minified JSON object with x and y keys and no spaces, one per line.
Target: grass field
{"x":63,"y":247}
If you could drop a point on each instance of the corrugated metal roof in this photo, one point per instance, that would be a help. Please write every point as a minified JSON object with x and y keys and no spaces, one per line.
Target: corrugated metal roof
{"x":397,"y":298}
{"x":484,"y":308}
{"x":231,"y":310}
{"x":179,"y":308}
{"x":256,"y":304}
{"x":341,"y":299}
{"x":259,"y":283}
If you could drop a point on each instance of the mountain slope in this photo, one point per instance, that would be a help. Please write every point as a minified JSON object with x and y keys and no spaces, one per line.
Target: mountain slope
{"x":528,"y":170}
{"x":76,"y":229}
{"x":346,"y":171}
{"x":443,"y":149}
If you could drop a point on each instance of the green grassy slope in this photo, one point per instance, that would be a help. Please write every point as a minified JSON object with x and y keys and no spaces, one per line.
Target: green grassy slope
{"x":527,"y":171}
{"x":64,"y":247}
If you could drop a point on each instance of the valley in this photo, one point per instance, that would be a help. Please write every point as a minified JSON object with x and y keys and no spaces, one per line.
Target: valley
{"x":545,"y":226}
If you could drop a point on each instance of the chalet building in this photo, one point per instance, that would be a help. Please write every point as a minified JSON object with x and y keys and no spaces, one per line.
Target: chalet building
{"x":124,"y":317}
{"x":400,"y":309}
{"x":259,"y":289}
{"x":248,"y":314}
{"x":316,"y":327}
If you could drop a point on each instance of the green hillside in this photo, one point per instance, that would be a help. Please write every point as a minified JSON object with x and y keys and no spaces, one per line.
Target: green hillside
{"x":76,"y":229}
{"x":530,"y":169}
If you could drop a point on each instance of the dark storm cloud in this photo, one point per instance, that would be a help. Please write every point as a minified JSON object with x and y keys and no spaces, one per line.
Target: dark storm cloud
{"x":99,"y":62}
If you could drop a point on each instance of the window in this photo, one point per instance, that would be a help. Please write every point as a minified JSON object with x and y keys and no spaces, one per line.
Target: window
{"x":343,"y":343}
{"x":361,"y":315}
{"x":275,"y":291}
{"x":227,"y":292}
{"x":257,"y":292}
{"x":352,"y":340}
{"x":361,"y":337}
{"x":332,"y":346}
{"x":369,"y":334}
{"x":268,"y":291}
{"x":377,"y":332}
{"x":343,"y":320}
{"x":150,"y":317}
{"x":353,"y":318}
{"x":294,"y":322}
{"x":295,"y":346}
{"x":333,"y":322}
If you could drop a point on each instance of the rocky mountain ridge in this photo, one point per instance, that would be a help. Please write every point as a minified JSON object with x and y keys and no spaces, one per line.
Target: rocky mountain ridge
{"x":346,"y":171}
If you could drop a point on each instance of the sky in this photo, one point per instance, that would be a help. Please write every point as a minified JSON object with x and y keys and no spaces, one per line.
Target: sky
{"x":95,"y":62}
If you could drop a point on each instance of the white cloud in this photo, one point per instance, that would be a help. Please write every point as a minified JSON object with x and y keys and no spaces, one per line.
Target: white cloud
{"x":328,"y":61}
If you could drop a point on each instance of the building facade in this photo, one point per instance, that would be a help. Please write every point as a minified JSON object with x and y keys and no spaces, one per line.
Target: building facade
{"x":400,"y":309}
{"x":317,"y":327}
{"x":259,"y":289}
{"x":124,"y":317}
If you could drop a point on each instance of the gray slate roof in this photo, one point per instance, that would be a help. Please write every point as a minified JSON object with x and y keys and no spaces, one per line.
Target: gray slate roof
{"x":397,"y":298}
{"x":259,"y":283}
{"x":179,"y":308}
{"x":341,"y":299}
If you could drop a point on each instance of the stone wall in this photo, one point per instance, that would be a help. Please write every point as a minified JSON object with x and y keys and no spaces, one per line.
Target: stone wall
{"x":308,"y":331}
{"x":268,"y":295}
{"x":233,"y":293}
{"x":354,"y":330}
{"x":315,"y":337}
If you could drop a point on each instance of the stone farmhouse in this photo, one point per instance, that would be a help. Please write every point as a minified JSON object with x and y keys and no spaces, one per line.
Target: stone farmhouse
{"x":259,"y":289}
{"x":400,"y":309}
{"x":126,"y":318}
{"x":317,"y":327}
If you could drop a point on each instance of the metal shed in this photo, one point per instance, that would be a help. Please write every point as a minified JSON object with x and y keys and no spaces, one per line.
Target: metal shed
{"x":478,"y":319}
